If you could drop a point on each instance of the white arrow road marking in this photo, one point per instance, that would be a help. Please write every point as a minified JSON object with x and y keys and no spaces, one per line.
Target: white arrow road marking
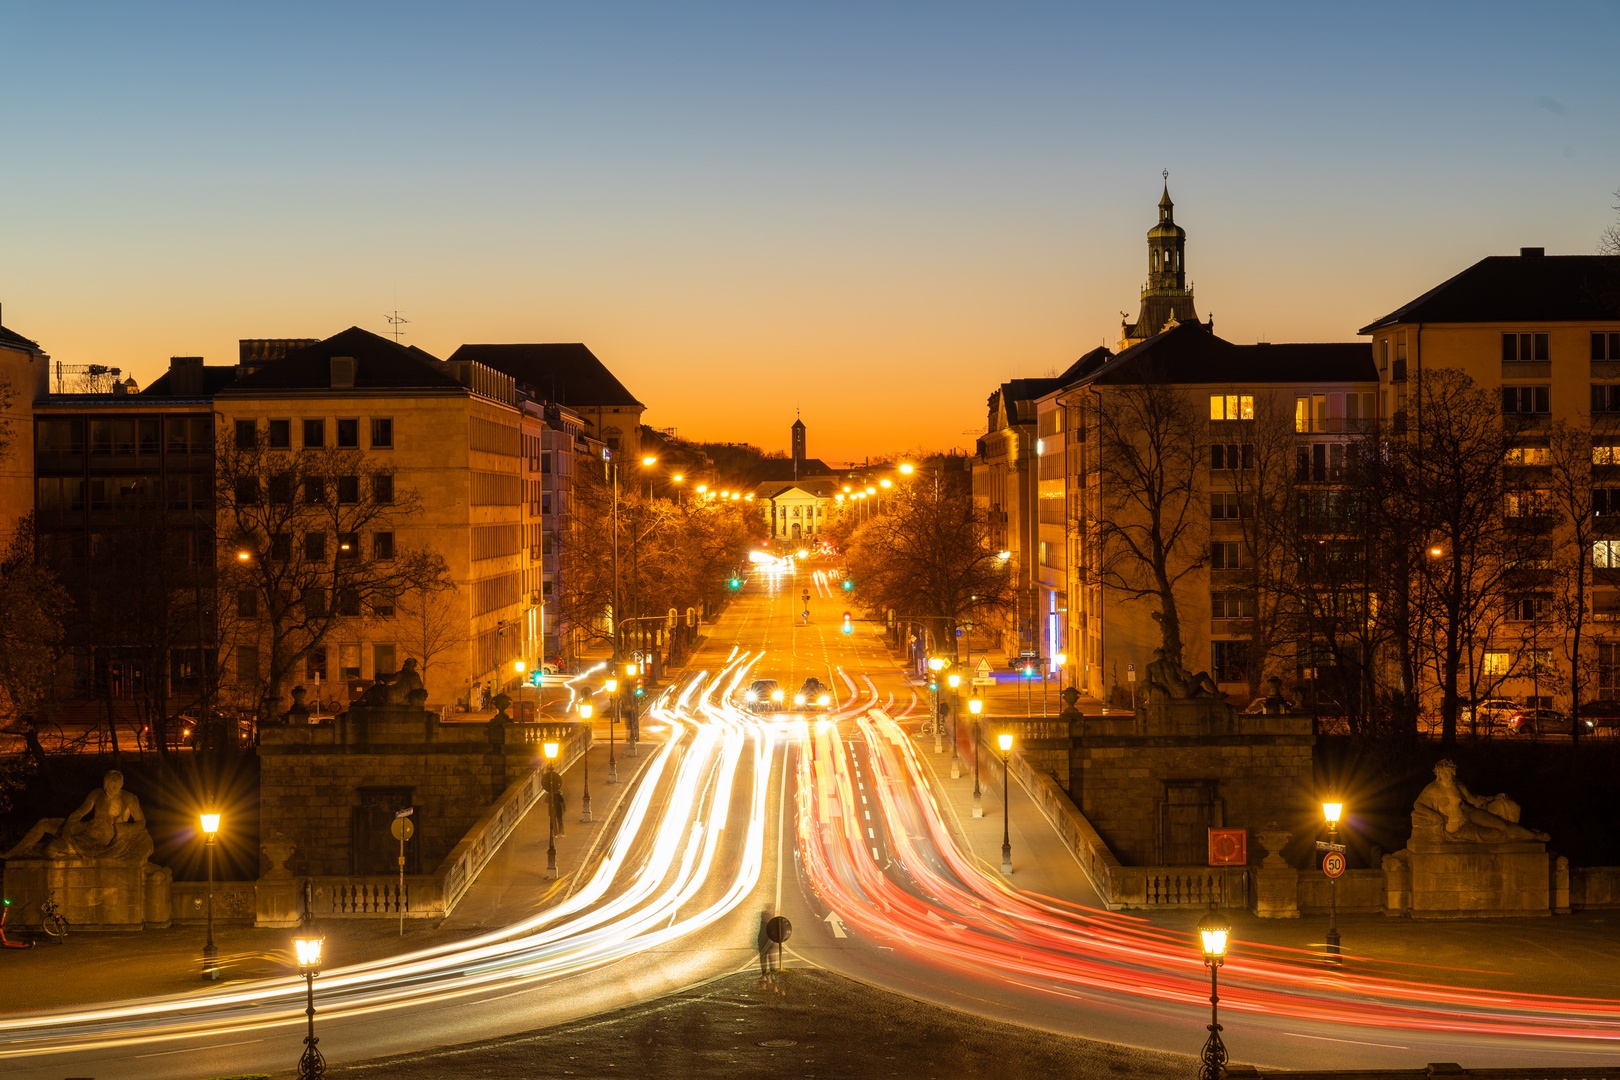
{"x":837,"y":925}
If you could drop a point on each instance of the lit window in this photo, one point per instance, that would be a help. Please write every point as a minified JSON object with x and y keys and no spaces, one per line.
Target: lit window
{"x":1496,"y":663}
{"x":1231,"y":406}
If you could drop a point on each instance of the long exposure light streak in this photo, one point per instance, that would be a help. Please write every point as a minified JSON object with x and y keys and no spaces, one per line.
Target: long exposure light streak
{"x":708,"y":744}
{"x":957,"y":915}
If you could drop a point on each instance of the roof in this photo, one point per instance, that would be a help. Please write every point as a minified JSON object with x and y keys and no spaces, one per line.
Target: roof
{"x":819,"y":487}
{"x":12,"y":339}
{"x":570,"y":374}
{"x":776,"y":470}
{"x":215,"y":379}
{"x":1192,"y":354}
{"x":1519,"y":288}
{"x":379,"y":364}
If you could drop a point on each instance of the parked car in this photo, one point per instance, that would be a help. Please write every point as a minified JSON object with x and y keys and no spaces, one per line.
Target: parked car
{"x":1604,"y":715}
{"x":812,"y":695}
{"x":763,"y":695}
{"x":1493,"y":711}
{"x":1544,"y":722}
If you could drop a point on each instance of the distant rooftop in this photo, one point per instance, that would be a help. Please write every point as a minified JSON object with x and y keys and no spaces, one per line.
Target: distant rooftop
{"x":1528,"y":287}
{"x":570,"y":373}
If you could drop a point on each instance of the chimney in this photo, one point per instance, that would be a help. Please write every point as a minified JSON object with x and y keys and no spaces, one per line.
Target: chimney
{"x":119,"y":389}
{"x":342,"y":372}
{"x":185,"y":376}
{"x":1532,"y":253}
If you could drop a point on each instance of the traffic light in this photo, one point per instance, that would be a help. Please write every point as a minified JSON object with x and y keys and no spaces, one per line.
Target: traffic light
{"x":639,"y":688}
{"x":933,"y":683}
{"x":848,"y":584}
{"x":1029,"y":671}
{"x":736,"y":583}
{"x":848,"y":629}
{"x":534,"y":680}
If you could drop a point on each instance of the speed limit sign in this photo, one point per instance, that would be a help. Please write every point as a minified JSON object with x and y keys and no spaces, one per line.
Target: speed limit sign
{"x":1333,"y":864}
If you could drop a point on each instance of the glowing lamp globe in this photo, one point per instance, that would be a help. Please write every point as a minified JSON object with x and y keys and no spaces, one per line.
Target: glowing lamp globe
{"x":1005,"y":741}
{"x":210,"y":823}
{"x":309,"y":952}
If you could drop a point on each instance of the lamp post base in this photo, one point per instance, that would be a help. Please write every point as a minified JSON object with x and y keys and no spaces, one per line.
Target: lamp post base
{"x":211,"y":962}
{"x":956,"y":767}
{"x":939,"y":741}
{"x":1212,"y":1062}
{"x":613,"y":771}
{"x":585,"y":808}
{"x":1332,"y":949}
{"x":1006,"y":858}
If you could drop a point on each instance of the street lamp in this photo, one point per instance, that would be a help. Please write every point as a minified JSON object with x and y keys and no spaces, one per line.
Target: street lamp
{"x":520,"y":667}
{"x":611,"y":687}
{"x":311,"y":1066}
{"x":551,"y":811}
{"x":585,"y":711}
{"x":629,"y":689}
{"x":976,"y":706}
{"x":907,"y":468}
{"x":1005,"y":741}
{"x":954,"y":680}
{"x":1212,"y":934}
{"x":210,"y":826}
{"x":1331,"y":811}
{"x":935,"y":665}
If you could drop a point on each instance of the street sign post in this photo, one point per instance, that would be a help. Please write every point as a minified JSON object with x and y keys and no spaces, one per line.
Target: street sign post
{"x":982,"y":676}
{"x":1333,"y":864}
{"x":779,"y":929}
{"x":1323,"y":845}
{"x":403,"y":829}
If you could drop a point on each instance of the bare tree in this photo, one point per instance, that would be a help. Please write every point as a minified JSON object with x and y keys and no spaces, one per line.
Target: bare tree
{"x":308,"y":540}
{"x":430,"y":623}
{"x":1609,"y":241}
{"x":1151,"y":439}
{"x":1571,"y":481}
{"x":32,"y":606}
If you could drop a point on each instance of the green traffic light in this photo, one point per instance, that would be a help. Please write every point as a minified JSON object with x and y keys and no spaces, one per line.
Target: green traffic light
{"x":736,"y":583}
{"x":848,"y":584}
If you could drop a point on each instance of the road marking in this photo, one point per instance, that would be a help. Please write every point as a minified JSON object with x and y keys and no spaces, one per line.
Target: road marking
{"x":1358,"y":1042}
{"x":874,"y":855}
{"x":196,"y":1049}
{"x":868,"y":813}
{"x":837,"y":925}
{"x":870,"y":835}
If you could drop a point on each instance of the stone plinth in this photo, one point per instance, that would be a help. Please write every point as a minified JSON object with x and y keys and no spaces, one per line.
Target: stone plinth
{"x":1451,"y":880}
{"x":1276,"y":884}
{"x":1186,"y":716}
{"x":92,"y":894}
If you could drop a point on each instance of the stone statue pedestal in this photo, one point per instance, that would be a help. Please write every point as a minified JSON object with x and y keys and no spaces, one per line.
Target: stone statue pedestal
{"x":93,"y":894}
{"x":1470,"y":880}
{"x":1186,"y":716}
{"x":1276,"y":884}
{"x":277,"y":894}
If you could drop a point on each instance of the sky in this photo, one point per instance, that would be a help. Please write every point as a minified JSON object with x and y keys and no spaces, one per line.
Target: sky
{"x":870,"y":213}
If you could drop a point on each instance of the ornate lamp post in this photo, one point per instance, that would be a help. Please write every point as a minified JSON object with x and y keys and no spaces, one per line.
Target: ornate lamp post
{"x":1212,"y":933}
{"x":1005,"y":741}
{"x":954,"y":681}
{"x":210,"y":827}
{"x":1331,"y":811}
{"x":611,"y":688}
{"x":551,"y":810}
{"x":976,"y":706}
{"x":585,"y":711}
{"x":311,"y":1066}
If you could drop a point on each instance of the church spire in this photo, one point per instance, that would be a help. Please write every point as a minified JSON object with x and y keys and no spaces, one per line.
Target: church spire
{"x":1167,"y":299}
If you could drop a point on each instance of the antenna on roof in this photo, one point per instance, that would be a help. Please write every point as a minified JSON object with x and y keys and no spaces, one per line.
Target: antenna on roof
{"x":395,"y":322}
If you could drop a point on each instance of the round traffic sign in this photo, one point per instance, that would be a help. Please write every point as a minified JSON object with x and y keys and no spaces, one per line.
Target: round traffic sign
{"x":402,"y":828}
{"x":1333,"y":864}
{"x":778,"y":929}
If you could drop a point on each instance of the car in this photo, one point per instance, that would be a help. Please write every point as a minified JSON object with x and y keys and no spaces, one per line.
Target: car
{"x":1494,"y":711}
{"x":813,"y":695}
{"x":1544,"y":722}
{"x":763,"y":695}
{"x":1602,"y":714}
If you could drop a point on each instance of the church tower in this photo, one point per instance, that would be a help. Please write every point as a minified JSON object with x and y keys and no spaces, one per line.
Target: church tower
{"x":1166,"y":298}
{"x":798,"y":448}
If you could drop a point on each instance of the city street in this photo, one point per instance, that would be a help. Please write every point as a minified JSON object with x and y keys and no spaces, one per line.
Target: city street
{"x":849,"y":828}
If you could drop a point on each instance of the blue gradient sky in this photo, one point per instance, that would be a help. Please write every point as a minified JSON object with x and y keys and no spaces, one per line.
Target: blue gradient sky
{"x":872,"y":212}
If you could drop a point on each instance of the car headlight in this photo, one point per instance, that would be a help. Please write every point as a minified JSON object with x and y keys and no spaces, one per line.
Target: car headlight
{"x":776,"y":695}
{"x":823,"y":700}
{"x":798,"y":699}
{"x":750,"y":696}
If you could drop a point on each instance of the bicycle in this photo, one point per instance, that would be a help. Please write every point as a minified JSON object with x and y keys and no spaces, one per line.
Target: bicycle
{"x":55,"y":925}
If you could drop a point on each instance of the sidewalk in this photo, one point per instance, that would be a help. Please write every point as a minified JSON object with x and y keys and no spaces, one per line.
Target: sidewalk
{"x":95,"y":967}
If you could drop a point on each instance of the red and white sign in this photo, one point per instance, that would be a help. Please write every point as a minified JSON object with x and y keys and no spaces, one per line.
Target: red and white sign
{"x":1333,"y":864}
{"x":1228,"y":847}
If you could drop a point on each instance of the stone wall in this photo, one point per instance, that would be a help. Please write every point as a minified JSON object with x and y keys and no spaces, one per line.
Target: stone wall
{"x":312,"y":781}
{"x":1122,"y":780}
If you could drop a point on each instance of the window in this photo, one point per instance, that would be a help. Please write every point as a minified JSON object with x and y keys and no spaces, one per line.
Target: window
{"x":247,"y":665}
{"x":382,"y":546}
{"x":1226,"y":555}
{"x":1605,"y":397}
{"x":1228,"y":456}
{"x":314,"y":603}
{"x":1608,"y":672}
{"x":1525,"y":399}
{"x":382,"y":605}
{"x":281,"y":547}
{"x":1524,"y":347}
{"x":382,"y":431}
{"x":1606,"y":346}
{"x":315,"y":663}
{"x":349,"y":661}
{"x":348,"y":433}
{"x":545,"y":463}
{"x":247,"y":491}
{"x":1528,"y":503}
{"x":1383,"y":355}
{"x":1319,"y":462}
{"x":1606,"y":554}
{"x":1310,"y":413}
{"x":280,"y":488}
{"x":247,"y":603}
{"x":1231,"y":406}
{"x":146,"y":436}
{"x":1605,"y":501}
{"x":280,"y":435}
{"x":1606,"y":455}
{"x":348,"y":489}
{"x":348,"y":546}
{"x":314,"y":490}
{"x":1528,"y":455}
{"x":348,"y":603}
{"x":1497,"y":663}
{"x":382,"y":487}
{"x":315,"y":432}
{"x":1231,"y":661}
{"x":382,"y":660}
{"x":247,"y":435}
{"x":315,"y":547}
{"x":1232,"y":605}
{"x":1226,"y":506}
{"x":1539,"y":661}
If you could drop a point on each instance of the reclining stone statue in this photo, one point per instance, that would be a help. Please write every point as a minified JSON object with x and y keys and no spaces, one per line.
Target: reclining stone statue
{"x":1448,"y":812}
{"x":108,"y":826}
{"x":1169,"y":680}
